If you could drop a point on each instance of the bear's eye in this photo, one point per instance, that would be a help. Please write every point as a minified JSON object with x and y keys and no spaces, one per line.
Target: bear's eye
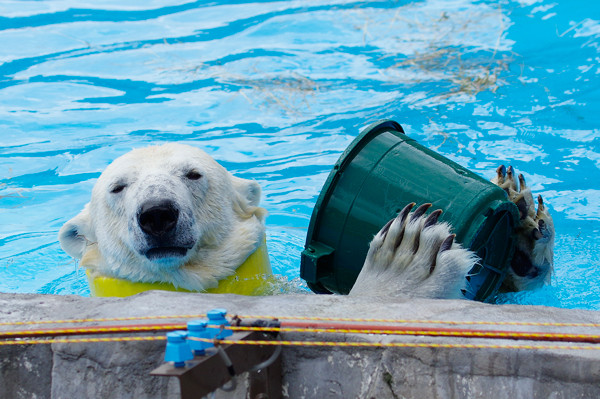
{"x":193,"y":175}
{"x":117,"y":188}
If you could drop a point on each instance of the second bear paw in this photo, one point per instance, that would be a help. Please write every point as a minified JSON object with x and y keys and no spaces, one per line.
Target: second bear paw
{"x":532,"y":262}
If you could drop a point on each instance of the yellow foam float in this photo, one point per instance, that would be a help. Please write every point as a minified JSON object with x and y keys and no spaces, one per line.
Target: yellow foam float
{"x":250,"y":278}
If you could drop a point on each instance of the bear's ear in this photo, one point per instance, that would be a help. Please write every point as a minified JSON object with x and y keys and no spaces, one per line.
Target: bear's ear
{"x":76,"y":233}
{"x":245,"y":203}
{"x":248,"y":189}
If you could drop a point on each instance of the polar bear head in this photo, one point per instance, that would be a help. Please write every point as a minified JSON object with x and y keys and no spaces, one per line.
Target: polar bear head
{"x":167,"y":213}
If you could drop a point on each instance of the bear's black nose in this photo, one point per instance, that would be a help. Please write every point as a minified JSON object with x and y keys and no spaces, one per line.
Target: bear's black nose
{"x":157,"y":218}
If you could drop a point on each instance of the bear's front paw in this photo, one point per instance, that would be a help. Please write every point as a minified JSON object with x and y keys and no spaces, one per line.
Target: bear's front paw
{"x":414,"y":255}
{"x":532,"y":263}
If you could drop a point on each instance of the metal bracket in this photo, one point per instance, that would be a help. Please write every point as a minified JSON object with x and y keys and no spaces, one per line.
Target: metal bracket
{"x":205,"y":374}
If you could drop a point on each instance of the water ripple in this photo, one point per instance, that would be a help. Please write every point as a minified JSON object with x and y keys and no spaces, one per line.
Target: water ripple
{"x":277,"y":90}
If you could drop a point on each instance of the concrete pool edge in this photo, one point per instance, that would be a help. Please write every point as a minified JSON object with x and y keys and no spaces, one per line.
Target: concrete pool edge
{"x":120,"y":370}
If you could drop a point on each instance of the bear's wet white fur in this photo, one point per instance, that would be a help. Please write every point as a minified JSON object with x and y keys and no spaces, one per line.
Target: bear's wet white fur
{"x":214,"y":221}
{"x":415,"y":256}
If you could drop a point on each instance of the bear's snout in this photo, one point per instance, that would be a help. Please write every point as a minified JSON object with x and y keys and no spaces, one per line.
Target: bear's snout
{"x":157,"y":218}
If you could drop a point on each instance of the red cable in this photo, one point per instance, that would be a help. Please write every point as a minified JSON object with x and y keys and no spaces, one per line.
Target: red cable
{"x":125,"y":328}
{"x":449,"y":332}
{"x":363,"y":328}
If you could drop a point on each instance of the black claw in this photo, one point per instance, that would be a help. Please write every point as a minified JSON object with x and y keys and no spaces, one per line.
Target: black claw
{"x":510,"y":171}
{"x":541,"y":206}
{"x":501,"y":171}
{"x":401,"y":218}
{"x":433,"y":218}
{"x":420,"y":211}
{"x":386,"y":228}
{"x":404,"y":212}
{"x":447,"y":244}
{"x":522,"y":181}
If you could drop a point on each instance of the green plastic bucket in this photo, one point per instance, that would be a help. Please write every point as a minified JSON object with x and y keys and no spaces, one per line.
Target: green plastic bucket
{"x":379,"y":173}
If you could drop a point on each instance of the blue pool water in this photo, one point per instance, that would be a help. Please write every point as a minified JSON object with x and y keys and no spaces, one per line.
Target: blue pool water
{"x":275,"y":91}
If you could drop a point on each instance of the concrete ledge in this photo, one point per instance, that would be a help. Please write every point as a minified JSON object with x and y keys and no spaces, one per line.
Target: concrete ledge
{"x":120,"y":370}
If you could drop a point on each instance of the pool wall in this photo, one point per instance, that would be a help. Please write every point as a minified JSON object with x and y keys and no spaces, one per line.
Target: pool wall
{"x":120,"y":370}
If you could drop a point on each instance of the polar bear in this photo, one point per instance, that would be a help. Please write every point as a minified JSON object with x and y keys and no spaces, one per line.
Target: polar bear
{"x":172,"y":214}
{"x":167,"y":213}
{"x":414,"y":255}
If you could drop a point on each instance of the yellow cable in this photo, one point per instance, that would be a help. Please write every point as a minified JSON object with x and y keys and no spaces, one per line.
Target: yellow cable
{"x":80,"y":340}
{"x":400,"y":344}
{"x":92,"y":330}
{"x":74,"y":321}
